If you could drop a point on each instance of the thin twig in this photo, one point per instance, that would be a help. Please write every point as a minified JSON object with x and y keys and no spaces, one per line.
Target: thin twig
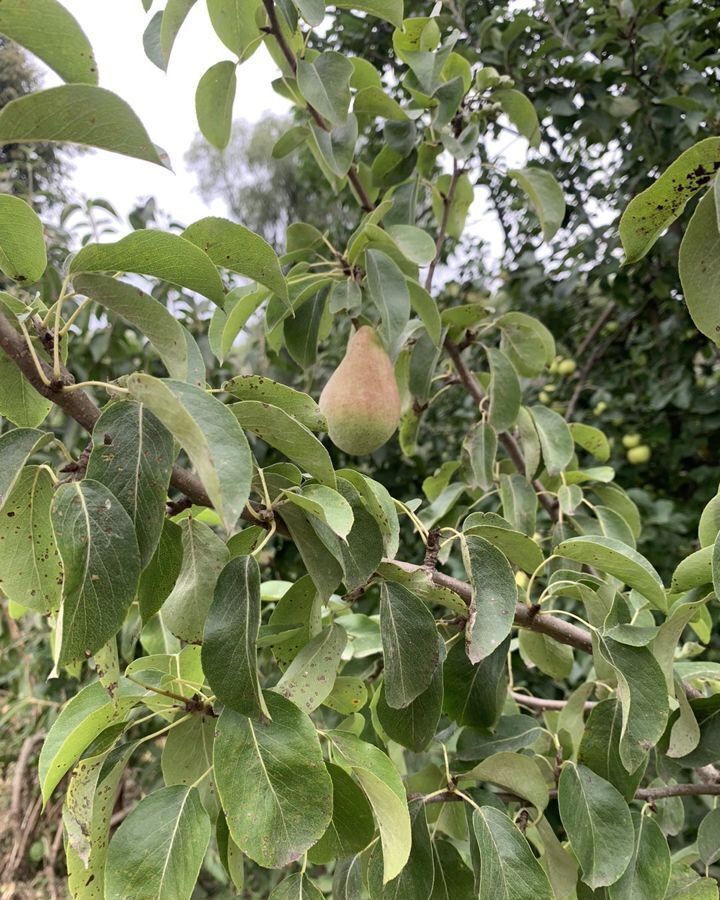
{"x":542,"y":703}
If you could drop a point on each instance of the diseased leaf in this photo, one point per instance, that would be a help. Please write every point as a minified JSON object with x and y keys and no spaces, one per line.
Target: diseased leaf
{"x":655,"y":209}
{"x":22,"y":243}
{"x":60,"y":43}
{"x":615,"y":558}
{"x":30,"y":570}
{"x":78,"y":114}
{"x":295,"y":403}
{"x":101,"y":563}
{"x":699,"y":266}
{"x":234,"y":247}
{"x":262,"y":771}
{"x":274,"y":426}
{"x":229,"y":654}
{"x":132,"y":456}
{"x":310,"y":677}
{"x":159,"y":254}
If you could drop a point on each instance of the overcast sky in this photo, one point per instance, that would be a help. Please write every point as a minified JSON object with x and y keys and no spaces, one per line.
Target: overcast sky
{"x":165,"y":102}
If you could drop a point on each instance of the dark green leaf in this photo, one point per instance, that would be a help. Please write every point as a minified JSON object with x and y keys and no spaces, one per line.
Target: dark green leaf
{"x":475,"y":695}
{"x":352,"y":826}
{"x":600,"y":748}
{"x":159,"y":576}
{"x":494,"y":595}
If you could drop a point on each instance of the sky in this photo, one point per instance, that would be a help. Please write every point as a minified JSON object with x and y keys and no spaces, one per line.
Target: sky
{"x":165,"y":103}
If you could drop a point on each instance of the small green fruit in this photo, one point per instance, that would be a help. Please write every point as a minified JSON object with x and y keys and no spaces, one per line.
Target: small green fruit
{"x":544,"y":397}
{"x":361,"y":401}
{"x":638,"y":455}
{"x":631,"y":440}
{"x":600,"y":408}
{"x":566,"y":367}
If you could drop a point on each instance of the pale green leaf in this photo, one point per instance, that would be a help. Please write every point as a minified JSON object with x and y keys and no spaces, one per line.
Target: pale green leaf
{"x":556,"y":439}
{"x":16,"y":447}
{"x":325,"y":84}
{"x":310,"y":677}
{"x":214,"y":100}
{"x":328,"y":505}
{"x":648,"y":873}
{"x":518,"y":774}
{"x":389,"y":293}
{"x":521,"y":113}
{"x":546,"y":196}
{"x":504,"y":391}
{"x":699,"y":266}
{"x":22,"y":243}
{"x":494,"y":595}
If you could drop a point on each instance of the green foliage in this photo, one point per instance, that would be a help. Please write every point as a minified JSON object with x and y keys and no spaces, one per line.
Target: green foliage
{"x":327,"y":707}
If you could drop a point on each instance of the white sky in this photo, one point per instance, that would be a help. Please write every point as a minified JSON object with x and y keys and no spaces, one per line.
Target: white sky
{"x":165,"y":102}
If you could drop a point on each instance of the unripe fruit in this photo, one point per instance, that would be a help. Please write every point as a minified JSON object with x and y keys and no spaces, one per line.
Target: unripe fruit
{"x":631,"y":440}
{"x":638,"y":455}
{"x":361,"y":401}
{"x":566,"y":367}
{"x":544,"y":397}
{"x":521,"y":580}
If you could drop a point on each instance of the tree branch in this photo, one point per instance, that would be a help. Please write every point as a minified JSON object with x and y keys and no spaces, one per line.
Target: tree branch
{"x":541,"y":703}
{"x":591,"y":360}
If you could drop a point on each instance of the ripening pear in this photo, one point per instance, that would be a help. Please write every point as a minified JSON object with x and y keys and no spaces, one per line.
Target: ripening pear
{"x":361,"y":401}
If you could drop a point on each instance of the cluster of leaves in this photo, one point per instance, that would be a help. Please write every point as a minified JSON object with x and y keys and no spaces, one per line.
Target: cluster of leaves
{"x":359,"y":714}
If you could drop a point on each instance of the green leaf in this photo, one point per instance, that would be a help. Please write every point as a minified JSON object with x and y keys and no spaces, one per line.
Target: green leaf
{"x":132,"y":456}
{"x":494,"y":595}
{"x":519,"y":503}
{"x":655,"y":209}
{"x":60,"y":43}
{"x":516,"y":773}
{"x":385,"y":790}
{"x":410,"y":646}
{"x":312,"y":11}
{"x":617,"y":559}
{"x":321,"y":564}
{"x":527,"y":342}
{"x":159,"y":576}
{"x":414,"y":726}
{"x":389,"y":293}
{"x":648,"y":873}
{"x":22,"y":243}
{"x":416,"y":879}
{"x":373,"y":101}
{"x":475,"y":695}
{"x":146,"y":313}
{"x":453,"y":880}
{"x":296,"y":887}
{"x":348,"y":696}
{"x":511,"y":733}
{"x":686,"y":884}
{"x":295,"y":403}
{"x":310,"y":677}
{"x":30,"y":570}
{"x":281,"y":431}
{"x":81,"y":720}
{"x":504,"y":391}
{"x":600,"y":748}
{"x":389,"y":10}
{"x":696,"y":570}
{"x":16,"y":447}
{"x":159,"y":254}
{"x":508,"y":869}
{"x":234,"y":247}
{"x":210,"y":435}
{"x":426,"y":308}
{"x":78,"y":114}
{"x":173,"y":17}
{"x":187,"y":606}
{"x":379,"y":504}
{"x":325,"y":84}
{"x":521,"y":113}
{"x":101,"y":562}
{"x":556,"y":439}
{"x":352,"y":826}
{"x":236,"y":24}
{"x":708,"y":838}
{"x":546,"y":196}
{"x":414,"y":243}
{"x":298,"y":608}
{"x":187,"y":756}
{"x":643,"y":696}
{"x":229,"y":654}
{"x":481,"y":445}
{"x":214,"y":100}
{"x":552,"y":658}
{"x":19,"y":401}
{"x":520,"y":550}
{"x":598,"y":825}
{"x":261,"y":771}
{"x":591,"y":439}
{"x":158,"y":849}
{"x":328,"y":505}
{"x":459,"y":206}
{"x":699,"y":267}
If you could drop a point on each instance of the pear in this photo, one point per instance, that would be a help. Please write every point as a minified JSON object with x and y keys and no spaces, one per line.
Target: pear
{"x":361,"y":401}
